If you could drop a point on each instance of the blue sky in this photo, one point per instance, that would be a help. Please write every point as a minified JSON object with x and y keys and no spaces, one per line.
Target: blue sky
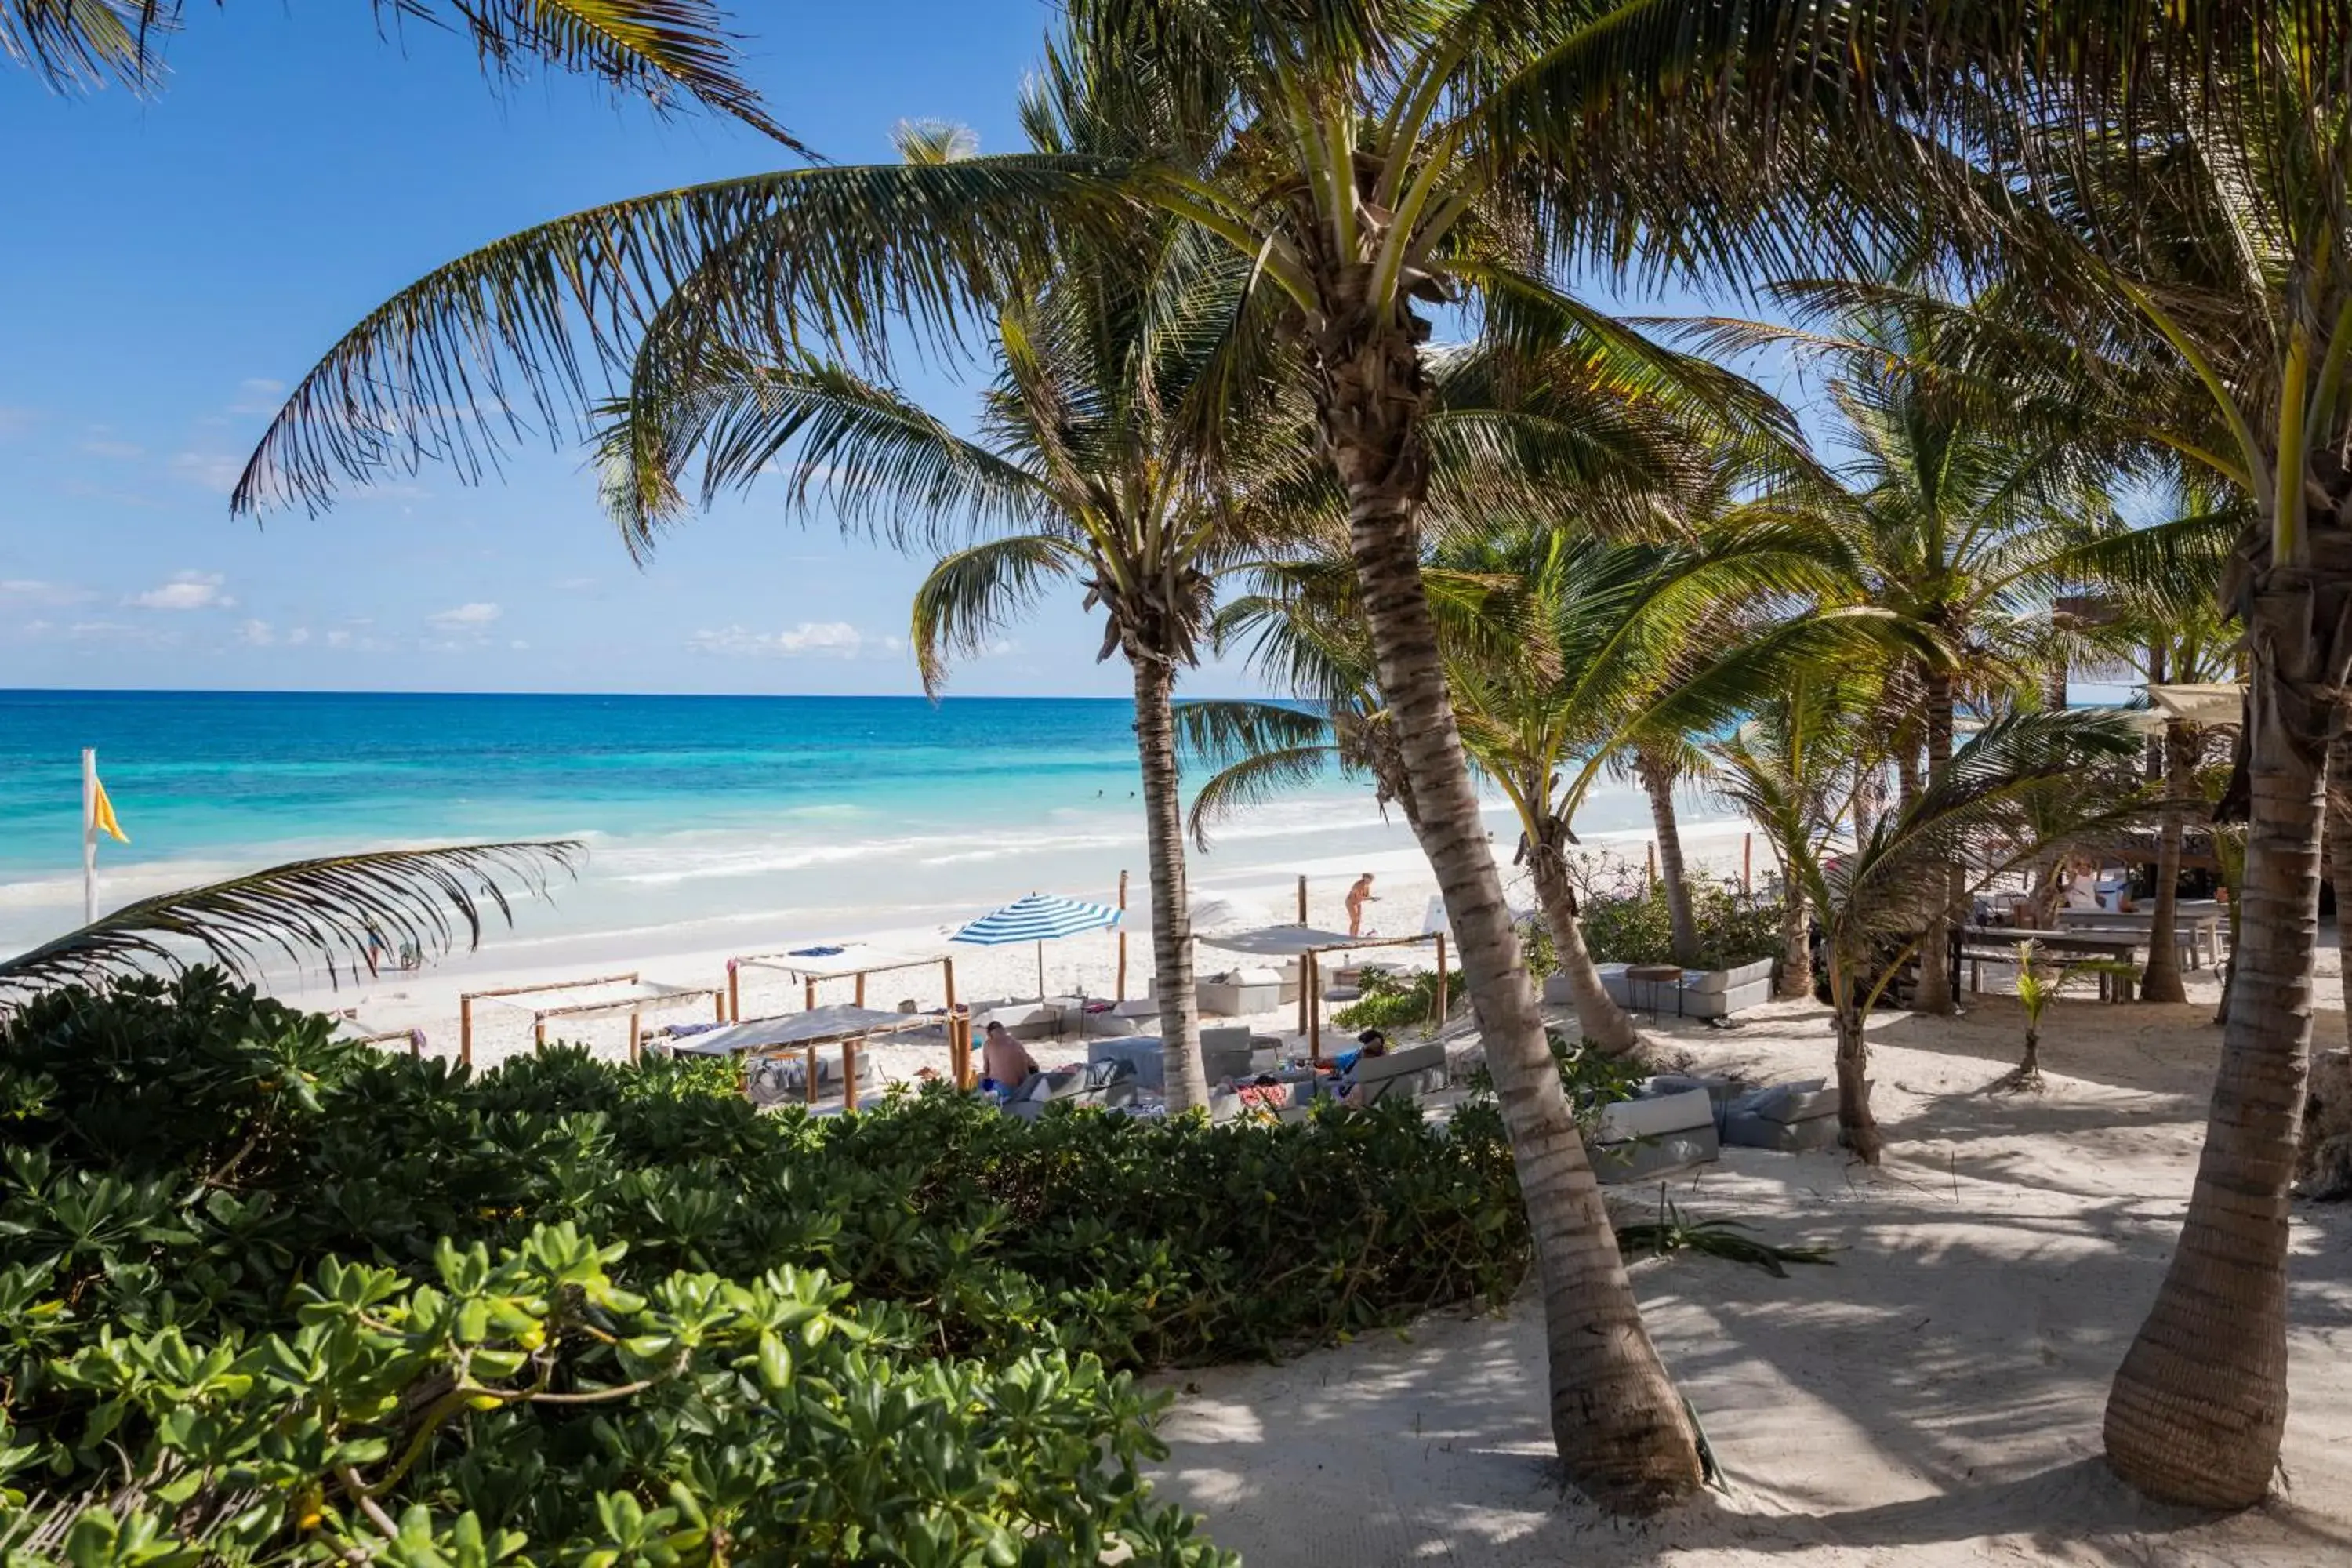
{"x":172,"y":264}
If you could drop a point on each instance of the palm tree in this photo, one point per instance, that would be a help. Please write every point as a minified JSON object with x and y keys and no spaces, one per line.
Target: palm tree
{"x":1125,"y":443}
{"x":1963,"y":489}
{"x":1798,"y":768}
{"x":1363,"y":159}
{"x":342,"y":908}
{"x":2191,"y":232}
{"x":653,"y":49}
{"x":1988,"y":806}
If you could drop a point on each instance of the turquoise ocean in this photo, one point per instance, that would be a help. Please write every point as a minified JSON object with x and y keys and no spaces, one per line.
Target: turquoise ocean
{"x":800,"y":816}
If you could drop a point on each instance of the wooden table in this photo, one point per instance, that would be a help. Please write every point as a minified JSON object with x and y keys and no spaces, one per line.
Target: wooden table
{"x":2198,"y":920}
{"x":2079,"y":943}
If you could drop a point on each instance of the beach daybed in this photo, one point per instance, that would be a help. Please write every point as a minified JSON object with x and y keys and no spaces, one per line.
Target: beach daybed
{"x":1667,"y":1127}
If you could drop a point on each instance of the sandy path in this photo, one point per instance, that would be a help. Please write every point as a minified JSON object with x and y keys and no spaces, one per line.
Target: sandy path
{"x":1934,"y":1399}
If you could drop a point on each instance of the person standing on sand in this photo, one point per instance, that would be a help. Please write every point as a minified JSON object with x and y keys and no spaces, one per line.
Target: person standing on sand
{"x":1358,"y":896}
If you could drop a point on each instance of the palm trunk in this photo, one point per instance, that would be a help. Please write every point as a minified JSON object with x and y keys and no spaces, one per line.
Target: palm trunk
{"x":2199,"y":1403}
{"x":1624,"y":1436}
{"x":1854,"y":1119}
{"x":1796,"y":951}
{"x":1659,"y":784}
{"x":2339,"y":857}
{"x":1172,"y":915}
{"x":1598,"y":1016}
{"x":2160,"y":982}
{"x":1935,"y":957}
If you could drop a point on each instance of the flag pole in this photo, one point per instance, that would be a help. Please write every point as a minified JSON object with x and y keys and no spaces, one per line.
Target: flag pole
{"x":88,"y":834}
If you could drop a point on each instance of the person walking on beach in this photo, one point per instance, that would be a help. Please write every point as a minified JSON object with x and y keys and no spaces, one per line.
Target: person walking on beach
{"x":1358,"y":896}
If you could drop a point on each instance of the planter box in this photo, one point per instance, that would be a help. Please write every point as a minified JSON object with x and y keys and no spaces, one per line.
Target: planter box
{"x":1703,"y":994}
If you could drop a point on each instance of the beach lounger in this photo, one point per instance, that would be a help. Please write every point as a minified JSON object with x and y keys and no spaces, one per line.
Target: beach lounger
{"x":1664,"y":1129}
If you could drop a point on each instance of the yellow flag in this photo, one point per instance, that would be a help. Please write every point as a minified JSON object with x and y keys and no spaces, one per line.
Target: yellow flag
{"x":101,"y":814}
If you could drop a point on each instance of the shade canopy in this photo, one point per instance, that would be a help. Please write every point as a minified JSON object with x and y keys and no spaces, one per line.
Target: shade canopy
{"x":818,"y":1026}
{"x":2204,"y":703}
{"x":1040,"y":917}
{"x":1289,"y":942}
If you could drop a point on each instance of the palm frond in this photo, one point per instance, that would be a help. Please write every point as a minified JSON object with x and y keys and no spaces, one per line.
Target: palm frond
{"x":507,"y":341}
{"x":969,"y":596}
{"x":1217,"y":732}
{"x":651,"y":50}
{"x":344,"y":909}
{"x":1253,"y":781}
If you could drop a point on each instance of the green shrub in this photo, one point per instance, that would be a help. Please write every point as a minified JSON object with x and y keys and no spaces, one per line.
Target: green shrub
{"x":322,"y":1295}
{"x":1639,"y":930}
{"x":1391,"y":1000}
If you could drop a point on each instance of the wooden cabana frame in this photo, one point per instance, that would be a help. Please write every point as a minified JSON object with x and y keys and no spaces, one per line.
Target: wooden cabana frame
{"x":811,"y":974}
{"x":851,"y":1036}
{"x":1311,"y":969}
{"x":631,"y":1007}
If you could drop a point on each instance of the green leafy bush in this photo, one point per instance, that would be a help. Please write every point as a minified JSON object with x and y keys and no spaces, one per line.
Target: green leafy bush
{"x":1391,"y":1000}
{"x":304,"y":1298}
{"x":1639,"y":930}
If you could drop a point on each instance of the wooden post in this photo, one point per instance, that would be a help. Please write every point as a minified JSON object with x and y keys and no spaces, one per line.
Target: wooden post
{"x":734,"y":996}
{"x":1120,"y":995}
{"x":636,"y":1045}
{"x":1311,"y":988}
{"x":1746,"y":859}
{"x":1650,"y":851}
{"x":464,"y":1031}
{"x":1302,"y":897}
{"x":808,"y":1075}
{"x":808,"y":992}
{"x":861,"y":988}
{"x":538,"y":1031}
{"x":1305,"y":961}
{"x":849,"y":1075}
{"x":960,"y":1050}
{"x":1441,"y":980}
{"x":719,"y":1008}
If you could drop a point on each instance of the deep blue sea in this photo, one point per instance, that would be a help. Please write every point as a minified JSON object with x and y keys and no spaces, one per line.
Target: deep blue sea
{"x":804,"y":814}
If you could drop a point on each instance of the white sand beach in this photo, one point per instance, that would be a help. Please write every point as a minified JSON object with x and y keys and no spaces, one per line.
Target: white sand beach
{"x":1086,"y":964}
{"x":1933,"y":1399}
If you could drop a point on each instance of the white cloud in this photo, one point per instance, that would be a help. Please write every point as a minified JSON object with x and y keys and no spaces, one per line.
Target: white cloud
{"x":810,"y":639}
{"x":13,"y":419}
{"x":256,"y":634}
{"x":465,"y":616}
{"x":208,"y":470}
{"x":258,"y":394}
{"x":121,"y":451}
{"x":185,"y":591}
{"x":518,"y":644}
{"x":339,"y":639}
{"x":33,"y":591}
{"x":297,"y":636}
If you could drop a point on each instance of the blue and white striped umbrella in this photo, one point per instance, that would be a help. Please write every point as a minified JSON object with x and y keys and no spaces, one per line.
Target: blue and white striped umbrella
{"x":1040,"y":917}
